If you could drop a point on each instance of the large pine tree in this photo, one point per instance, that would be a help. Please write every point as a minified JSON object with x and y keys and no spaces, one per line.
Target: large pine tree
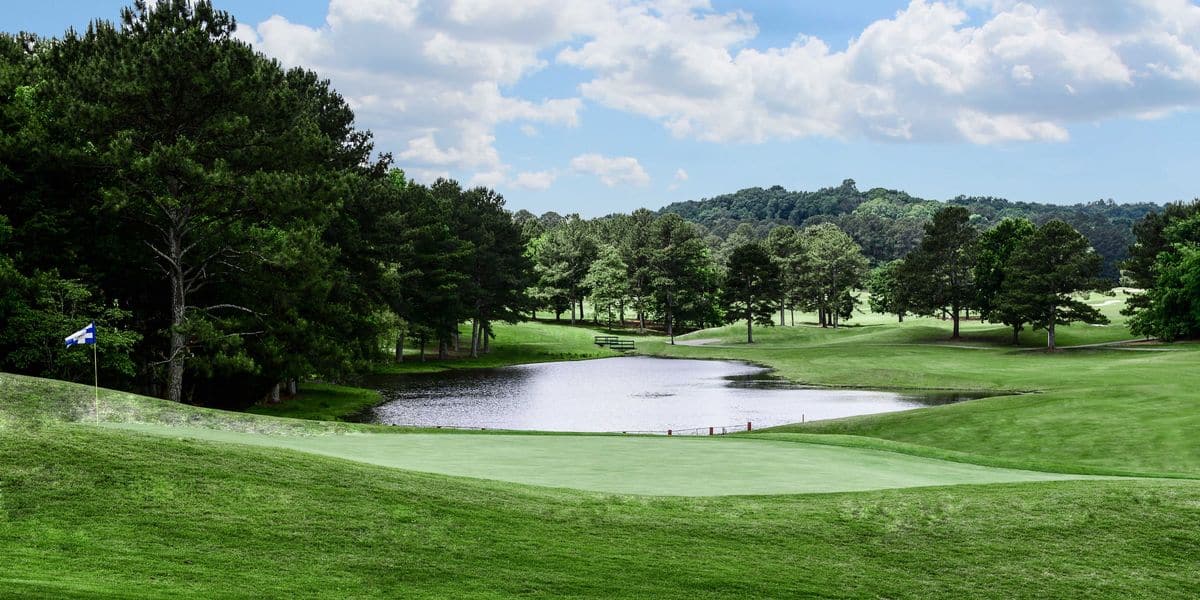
{"x":751,"y":287}
{"x":942,"y":267}
{"x":1046,"y":273}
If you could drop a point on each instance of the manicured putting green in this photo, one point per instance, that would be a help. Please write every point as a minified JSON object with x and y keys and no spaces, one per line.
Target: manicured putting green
{"x":632,"y":465}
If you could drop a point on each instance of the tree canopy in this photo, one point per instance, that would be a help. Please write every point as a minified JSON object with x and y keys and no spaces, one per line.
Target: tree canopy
{"x":752,"y":287}
{"x":1047,"y":270}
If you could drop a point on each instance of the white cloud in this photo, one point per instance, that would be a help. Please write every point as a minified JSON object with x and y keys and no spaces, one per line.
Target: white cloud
{"x":680,"y":177}
{"x":427,"y":77}
{"x":927,"y":73}
{"x":491,"y":179}
{"x":612,"y":171}
{"x":535,"y":180}
{"x":433,"y":79}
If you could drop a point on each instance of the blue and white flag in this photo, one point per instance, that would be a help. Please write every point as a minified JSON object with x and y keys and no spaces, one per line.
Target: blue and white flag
{"x":87,"y":335}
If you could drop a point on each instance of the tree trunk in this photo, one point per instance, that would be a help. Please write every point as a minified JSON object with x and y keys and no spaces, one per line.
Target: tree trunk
{"x":1050,"y":336}
{"x":572,"y":311}
{"x":782,"y":315}
{"x":821,"y":315}
{"x":443,"y":349}
{"x":484,"y":330}
{"x":954,"y":315}
{"x":670,"y":320}
{"x":792,"y":314}
{"x":422,"y":348}
{"x":178,"y":317}
{"x":749,"y":329}
{"x":620,"y":313}
{"x":557,"y":316}
{"x":274,"y":399}
{"x":400,"y":348}
{"x":641,"y":321}
{"x":475,"y":338}
{"x":454,"y":339}
{"x":292,"y":387}
{"x":900,"y":317}
{"x":1016,"y":334}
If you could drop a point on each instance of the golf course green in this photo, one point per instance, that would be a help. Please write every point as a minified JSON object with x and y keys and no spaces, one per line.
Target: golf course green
{"x":638,"y":465}
{"x":1087,"y":487}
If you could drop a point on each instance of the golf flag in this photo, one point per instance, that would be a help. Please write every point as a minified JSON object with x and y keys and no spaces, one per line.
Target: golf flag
{"x":87,"y":335}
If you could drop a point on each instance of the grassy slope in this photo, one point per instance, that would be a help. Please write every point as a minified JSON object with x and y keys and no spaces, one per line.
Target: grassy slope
{"x":1100,"y":407}
{"x":87,"y":511}
{"x":514,"y":344}
{"x":320,"y":402}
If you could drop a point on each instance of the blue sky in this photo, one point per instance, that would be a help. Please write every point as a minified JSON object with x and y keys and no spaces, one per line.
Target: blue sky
{"x":594,"y":107}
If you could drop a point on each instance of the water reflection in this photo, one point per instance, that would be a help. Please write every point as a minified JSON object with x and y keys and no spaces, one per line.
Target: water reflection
{"x":623,"y":394}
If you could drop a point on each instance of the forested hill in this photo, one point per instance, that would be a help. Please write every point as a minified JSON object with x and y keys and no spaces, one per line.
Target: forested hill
{"x":889,"y":223}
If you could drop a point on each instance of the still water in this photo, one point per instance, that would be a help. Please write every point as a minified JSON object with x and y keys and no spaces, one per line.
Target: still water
{"x":633,"y":393}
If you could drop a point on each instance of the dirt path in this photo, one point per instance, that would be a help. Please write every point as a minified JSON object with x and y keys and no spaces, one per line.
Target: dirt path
{"x":697,"y":342}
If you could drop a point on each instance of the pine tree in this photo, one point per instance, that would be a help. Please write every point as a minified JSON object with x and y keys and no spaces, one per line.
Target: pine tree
{"x":943,"y":265}
{"x":751,"y":287}
{"x":1046,"y":271}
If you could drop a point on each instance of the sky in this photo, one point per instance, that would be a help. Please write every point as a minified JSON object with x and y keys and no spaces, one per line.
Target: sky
{"x":601,"y":106}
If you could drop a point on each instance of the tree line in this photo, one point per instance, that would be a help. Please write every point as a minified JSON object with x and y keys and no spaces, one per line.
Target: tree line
{"x":1165,"y":263}
{"x":1016,"y":273}
{"x":663,"y":270}
{"x":221,"y":218}
{"x":888,"y":224}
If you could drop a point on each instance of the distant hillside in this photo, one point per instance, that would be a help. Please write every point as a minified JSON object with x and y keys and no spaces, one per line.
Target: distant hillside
{"x":889,"y":223}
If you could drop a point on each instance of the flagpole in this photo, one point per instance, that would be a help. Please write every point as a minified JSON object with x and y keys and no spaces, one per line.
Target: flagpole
{"x":96,"y":372}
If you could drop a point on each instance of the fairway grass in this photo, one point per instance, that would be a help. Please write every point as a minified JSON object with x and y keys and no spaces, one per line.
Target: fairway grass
{"x":632,"y":465}
{"x":1131,"y":408}
{"x":93,"y":512}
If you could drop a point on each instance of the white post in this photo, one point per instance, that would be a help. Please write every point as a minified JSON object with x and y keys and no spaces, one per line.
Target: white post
{"x":96,"y":372}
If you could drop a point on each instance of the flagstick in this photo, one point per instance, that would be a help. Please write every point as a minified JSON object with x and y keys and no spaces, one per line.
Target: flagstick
{"x":96,"y":372}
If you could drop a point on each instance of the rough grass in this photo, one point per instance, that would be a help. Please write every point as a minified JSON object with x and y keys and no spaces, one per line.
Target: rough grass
{"x":321,"y":402}
{"x":514,"y":344}
{"x":90,"y":512}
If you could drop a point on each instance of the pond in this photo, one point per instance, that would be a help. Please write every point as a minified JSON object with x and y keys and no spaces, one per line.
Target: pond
{"x":624,"y":394}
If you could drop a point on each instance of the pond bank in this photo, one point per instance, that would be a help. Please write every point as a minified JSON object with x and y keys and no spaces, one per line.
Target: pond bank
{"x":523,"y":343}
